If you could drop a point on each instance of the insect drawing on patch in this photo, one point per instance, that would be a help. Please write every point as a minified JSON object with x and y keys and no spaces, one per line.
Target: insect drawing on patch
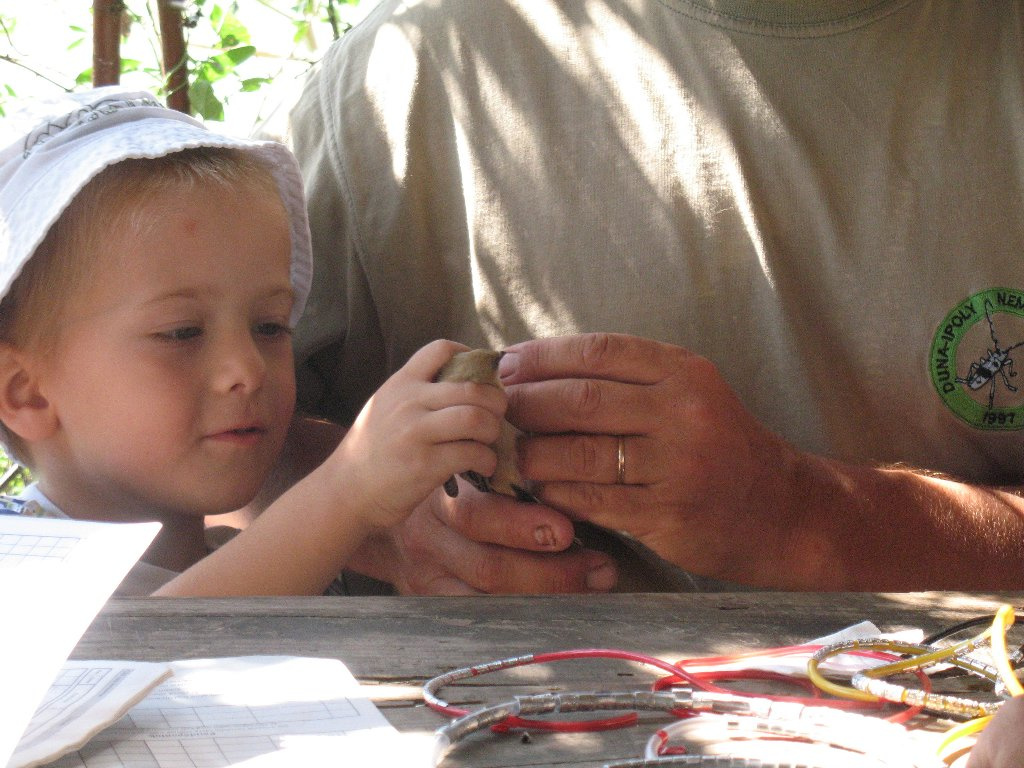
{"x":996,"y":363}
{"x":481,"y":366}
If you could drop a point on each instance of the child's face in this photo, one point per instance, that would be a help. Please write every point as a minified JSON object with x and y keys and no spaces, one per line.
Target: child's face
{"x":173,"y":378}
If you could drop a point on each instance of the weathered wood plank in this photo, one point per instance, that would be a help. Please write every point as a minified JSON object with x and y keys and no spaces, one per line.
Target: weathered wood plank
{"x":411,"y":636}
{"x":394,"y":644}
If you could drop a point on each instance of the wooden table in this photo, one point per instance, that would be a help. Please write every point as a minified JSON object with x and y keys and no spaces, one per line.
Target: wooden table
{"x":393,"y":644}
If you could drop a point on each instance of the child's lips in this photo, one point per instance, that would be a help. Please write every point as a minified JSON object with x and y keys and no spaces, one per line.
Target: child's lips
{"x":247,"y":433}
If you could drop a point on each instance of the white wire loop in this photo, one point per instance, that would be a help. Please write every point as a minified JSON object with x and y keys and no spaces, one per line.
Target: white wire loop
{"x":881,"y":739}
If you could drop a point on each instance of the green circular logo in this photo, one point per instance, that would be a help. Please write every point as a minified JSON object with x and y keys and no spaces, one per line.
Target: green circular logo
{"x":972,"y":359}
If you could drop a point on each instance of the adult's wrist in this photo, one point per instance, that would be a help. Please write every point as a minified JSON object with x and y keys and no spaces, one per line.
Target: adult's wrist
{"x":373,"y":563}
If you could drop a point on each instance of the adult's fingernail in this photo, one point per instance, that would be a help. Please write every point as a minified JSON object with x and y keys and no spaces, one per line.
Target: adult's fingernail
{"x":508,"y":365}
{"x":602,"y":578}
{"x":544,"y":536}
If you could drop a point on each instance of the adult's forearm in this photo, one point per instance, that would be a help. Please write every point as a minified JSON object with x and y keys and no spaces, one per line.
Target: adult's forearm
{"x":870,"y":528}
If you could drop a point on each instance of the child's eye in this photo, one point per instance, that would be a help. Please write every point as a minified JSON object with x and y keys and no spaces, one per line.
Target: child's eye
{"x":185,"y":333}
{"x":272,"y":330}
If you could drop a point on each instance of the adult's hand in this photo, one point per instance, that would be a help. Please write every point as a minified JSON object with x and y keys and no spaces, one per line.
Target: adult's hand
{"x":483,"y":543}
{"x":1001,"y":744}
{"x":706,"y":486}
{"x":698,"y":468}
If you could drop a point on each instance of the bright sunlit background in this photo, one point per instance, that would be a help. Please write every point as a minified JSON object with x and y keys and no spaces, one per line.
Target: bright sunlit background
{"x":250,"y":55}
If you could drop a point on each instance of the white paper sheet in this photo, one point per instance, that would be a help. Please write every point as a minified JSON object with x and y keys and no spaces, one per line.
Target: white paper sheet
{"x":796,"y":663}
{"x":55,"y":575}
{"x":86,"y":697}
{"x":253,"y":711}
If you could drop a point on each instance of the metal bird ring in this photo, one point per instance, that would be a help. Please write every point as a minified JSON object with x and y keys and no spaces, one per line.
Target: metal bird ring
{"x":620,"y":476}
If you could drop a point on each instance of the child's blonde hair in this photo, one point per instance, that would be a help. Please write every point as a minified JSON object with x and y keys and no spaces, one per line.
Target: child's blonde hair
{"x":111,"y":204}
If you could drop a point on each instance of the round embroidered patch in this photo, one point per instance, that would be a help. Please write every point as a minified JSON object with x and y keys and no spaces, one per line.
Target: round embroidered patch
{"x":972,"y":359}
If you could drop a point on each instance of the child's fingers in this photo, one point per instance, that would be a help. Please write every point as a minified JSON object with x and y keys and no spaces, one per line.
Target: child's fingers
{"x":429,"y":359}
{"x":437,"y":397}
{"x":423,"y":368}
{"x":456,"y":457}
{"x":460,"y":423}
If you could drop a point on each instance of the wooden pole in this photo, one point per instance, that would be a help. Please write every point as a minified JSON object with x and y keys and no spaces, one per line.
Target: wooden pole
{"x":175,"y":64}
{"x":106,"y":41}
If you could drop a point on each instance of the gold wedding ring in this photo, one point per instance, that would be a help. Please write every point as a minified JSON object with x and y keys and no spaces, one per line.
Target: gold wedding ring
{"x":620,"y":476}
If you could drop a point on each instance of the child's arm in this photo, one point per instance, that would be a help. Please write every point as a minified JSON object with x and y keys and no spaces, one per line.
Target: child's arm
{"x":410,"y":437}
{"x":1001,"y":744}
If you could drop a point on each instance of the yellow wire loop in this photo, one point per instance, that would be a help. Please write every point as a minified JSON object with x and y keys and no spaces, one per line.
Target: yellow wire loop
{"x":1000,"y":656}
{"x":1002,"y":622}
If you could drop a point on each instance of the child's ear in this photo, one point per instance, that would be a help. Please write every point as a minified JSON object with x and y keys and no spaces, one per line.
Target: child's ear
{"x":23,"y":408}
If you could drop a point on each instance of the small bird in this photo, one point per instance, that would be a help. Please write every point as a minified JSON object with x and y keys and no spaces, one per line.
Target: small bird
{"x":481,"y":366}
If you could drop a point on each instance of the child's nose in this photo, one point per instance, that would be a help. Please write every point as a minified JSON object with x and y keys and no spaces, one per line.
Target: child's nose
{"x":240,"y":366}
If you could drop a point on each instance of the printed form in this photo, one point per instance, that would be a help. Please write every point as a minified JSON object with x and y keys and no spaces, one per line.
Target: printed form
{"x":254,"y":711}
{"x":55,"y":575}
{"x":257,"y":711}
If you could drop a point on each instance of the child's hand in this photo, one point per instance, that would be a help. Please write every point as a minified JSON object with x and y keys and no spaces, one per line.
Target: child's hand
{"x":414,"y":434}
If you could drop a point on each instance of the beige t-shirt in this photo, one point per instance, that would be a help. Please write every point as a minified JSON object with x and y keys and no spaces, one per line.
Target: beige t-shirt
{"x":814,"y":195}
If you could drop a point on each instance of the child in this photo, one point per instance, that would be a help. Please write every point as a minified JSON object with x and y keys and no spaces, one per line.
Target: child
{"x":151,"y":273}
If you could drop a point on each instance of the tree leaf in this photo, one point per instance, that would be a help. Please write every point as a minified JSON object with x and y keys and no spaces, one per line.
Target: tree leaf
{"x":204,"y":102}
{"x":254,"y":83}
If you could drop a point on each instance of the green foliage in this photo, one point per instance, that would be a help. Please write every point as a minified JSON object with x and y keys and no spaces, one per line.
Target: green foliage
{"x":13,"y":478}
{"x":236,"y":48}
{"x":233,"y":47}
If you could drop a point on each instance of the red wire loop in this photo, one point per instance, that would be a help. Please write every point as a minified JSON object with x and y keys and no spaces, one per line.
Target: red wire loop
{"x":678,"y":674}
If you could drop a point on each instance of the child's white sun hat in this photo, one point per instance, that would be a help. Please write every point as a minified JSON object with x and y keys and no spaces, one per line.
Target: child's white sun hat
{"x":52,"y":149}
